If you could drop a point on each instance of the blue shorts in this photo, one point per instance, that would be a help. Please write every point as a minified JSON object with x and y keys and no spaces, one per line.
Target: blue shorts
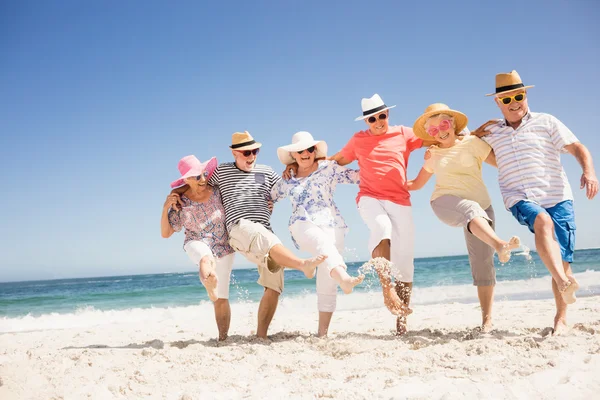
{"x":563,"y":217}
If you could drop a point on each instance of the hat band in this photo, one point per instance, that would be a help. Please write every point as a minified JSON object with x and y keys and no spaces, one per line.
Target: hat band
{"x":374,"y":110}
{"x":509,"y":87}
{"x":235,"y":146}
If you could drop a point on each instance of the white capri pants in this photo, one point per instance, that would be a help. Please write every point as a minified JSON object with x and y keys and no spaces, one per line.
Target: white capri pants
{"x":388,"y":220}
{"x":197,"y":250}
{"x":330,"y":242}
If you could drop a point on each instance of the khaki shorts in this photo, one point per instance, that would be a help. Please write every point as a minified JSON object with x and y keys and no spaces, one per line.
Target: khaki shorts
{"x":254,"y":242}
{"x":455,"y":211}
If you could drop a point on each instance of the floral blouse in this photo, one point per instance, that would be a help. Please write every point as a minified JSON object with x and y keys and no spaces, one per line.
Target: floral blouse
{"x":312,"y":196}
{"x":204,"y":222}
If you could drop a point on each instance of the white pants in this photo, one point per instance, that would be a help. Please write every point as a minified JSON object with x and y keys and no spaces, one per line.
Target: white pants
{"x":197,"y":250}
{"x":330,"y":242}
{"x":388,"y":220}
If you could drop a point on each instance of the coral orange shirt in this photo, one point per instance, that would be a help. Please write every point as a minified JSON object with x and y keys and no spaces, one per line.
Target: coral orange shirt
{"x":383,"y":161}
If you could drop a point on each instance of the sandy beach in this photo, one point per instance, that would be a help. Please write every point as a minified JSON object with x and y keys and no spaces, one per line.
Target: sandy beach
{"x":173,"y":355}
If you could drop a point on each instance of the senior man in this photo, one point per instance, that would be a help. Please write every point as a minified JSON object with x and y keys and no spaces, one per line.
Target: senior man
{"x":533,"y":183}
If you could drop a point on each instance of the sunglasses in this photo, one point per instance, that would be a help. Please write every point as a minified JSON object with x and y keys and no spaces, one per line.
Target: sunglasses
{"x":202,"y":175}
{"x":443,"y":126}
{"x":517,"y":97}
{"x":247,"y":153}
{"x":373,"y":119}
{"x":311,"y":150}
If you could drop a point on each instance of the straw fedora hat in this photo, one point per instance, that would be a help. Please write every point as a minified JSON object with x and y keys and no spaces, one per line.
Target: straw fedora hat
{"x":460,"y":120}
{"x":507,"y":82}
{"x":372,"y":106}
{"x":190,"y":166}
{"x":243,"y":141}
{"x":301,"y":141}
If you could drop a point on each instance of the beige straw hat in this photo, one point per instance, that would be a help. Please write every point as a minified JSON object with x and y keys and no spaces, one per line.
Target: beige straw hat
{"x":460,"y":120}
{"x":243,"y":141}
{"x":507,"y":82}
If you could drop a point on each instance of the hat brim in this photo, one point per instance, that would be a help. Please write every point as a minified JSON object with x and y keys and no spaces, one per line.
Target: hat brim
{"x":210,"y":166}
{"x":512,"y":90}
{"x":283,"y":152}
{"x":375,"y":113}
{"x":460,"y":120}
{"x":249,"y":147}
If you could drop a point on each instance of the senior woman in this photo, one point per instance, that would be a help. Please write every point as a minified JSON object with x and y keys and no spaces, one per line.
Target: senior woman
{"x":316,"y":224}
{"x":200,"y":211}
{"x":460,"y":197}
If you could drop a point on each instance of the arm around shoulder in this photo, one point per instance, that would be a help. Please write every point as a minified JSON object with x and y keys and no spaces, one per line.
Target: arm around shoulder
{"x":339,"y":158}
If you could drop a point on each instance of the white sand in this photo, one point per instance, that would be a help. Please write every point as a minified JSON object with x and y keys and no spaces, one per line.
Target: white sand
{"x":442,"y":357}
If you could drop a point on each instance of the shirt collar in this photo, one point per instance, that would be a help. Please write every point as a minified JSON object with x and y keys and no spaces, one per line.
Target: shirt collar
{"x":526,"y":118}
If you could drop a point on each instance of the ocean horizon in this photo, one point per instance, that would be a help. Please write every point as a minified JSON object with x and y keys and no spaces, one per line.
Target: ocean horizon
{"x":32,"y":305}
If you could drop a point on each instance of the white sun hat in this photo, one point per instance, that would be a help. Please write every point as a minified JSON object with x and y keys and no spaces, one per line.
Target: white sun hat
{"x":372,"y":106}
{"x":301,"y":141}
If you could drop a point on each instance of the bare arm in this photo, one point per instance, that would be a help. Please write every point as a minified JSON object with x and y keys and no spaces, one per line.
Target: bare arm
{"x":588,"y":177}
{"x":491,"y":159}
{"x":166,"y":230}
{"x":419,"y":181}
{"x":339,"y":158}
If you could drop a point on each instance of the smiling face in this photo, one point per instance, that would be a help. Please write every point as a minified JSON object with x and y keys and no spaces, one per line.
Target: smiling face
{"x":197,"y":185}
{"x":446,"y":129}
{"x":305,"y":159}
{"x":378,"y":123}
{"x":515,"y":110}
{"x":245,"y":159}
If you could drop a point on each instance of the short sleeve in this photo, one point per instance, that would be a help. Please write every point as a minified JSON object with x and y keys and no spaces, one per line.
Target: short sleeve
{"x":349,"y":150}
{"x":413,"y":142}
{"x":560,"y":135}
{"x":344,"y":175}
{"x":479,"y":148}
{"x":274,"y":178}
{"x":429,"y":165}
{"x":214,"y":178}
{"x":175,"y":220}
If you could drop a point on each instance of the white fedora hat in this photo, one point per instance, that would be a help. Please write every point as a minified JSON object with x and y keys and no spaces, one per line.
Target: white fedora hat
{"x":372,"y":106}
{"x":301,"y":141}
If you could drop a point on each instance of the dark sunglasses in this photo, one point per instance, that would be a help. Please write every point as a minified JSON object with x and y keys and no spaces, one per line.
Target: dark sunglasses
{"x":204,"y":174}
{"x":247,"y":153}
{"x":311,"y":150}
{"x":373,"y":119}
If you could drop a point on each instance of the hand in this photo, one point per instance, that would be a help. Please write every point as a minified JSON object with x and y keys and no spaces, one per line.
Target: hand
{"x":590,"y":183}
{"x":290,"y":171}
{"x":427,"y":155}
{"x":480,"y":132}
{"x":270,"y":205}
{"x":173,"y":200}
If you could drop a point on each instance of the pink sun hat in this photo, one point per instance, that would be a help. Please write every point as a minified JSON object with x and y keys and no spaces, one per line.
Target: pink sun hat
{"x":190,"y":166}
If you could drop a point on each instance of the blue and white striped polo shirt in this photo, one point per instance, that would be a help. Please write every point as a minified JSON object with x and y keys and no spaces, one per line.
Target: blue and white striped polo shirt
{"x":528,"y":159}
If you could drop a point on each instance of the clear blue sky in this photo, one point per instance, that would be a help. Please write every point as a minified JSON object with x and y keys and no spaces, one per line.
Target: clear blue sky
{"x":99,"y":100}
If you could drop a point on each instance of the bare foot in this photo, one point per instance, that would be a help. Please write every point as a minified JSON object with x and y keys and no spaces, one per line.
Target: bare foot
{"x":394,"y":304}
{"x":309,"y":266}
{"x":568,"y":291}
{"x":348,"y":284}
{"x":560,"y":326}
{"x":504,"y":252}
{"x":210,"y":283}
{"x":487,"y":327}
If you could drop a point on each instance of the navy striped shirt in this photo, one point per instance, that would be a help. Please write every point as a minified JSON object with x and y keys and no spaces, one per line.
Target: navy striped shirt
{"x":245,"y":194}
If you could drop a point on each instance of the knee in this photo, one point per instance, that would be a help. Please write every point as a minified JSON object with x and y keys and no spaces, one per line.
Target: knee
{"x":221,"y":302}
{"x":384,"y":244}
{"x":543,"y":223}
{"x":270,"y":293}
